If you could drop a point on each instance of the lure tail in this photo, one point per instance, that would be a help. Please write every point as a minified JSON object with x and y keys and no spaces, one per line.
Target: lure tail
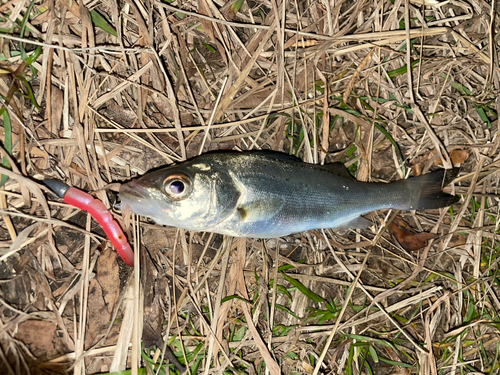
{"x":98,"y":211}
{"x":426,"y":191}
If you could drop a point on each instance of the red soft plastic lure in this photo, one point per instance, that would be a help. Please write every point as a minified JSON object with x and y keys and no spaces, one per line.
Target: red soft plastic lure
{"x":99,"y":212}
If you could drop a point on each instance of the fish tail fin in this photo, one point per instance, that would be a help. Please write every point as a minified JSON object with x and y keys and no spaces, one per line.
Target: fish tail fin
{"x":426,"y":191}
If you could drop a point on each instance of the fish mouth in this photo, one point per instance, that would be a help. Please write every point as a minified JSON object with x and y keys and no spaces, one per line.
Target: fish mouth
{"x":132,"y":189}
{"x":137,"y":198}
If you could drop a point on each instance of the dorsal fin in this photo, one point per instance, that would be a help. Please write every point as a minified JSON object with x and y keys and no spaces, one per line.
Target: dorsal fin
{"x":339,"y":169}
{"x":276,"y":155}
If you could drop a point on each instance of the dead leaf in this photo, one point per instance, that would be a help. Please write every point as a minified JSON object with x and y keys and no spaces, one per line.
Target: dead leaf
{"x":57,"y":105}
{"x":459,"y":156}
{"x":104,"y":291}
{"x":39,"y":336}
{"x":457,"y":240}
{"x":406,"y":237}
{"x":307,"y":367}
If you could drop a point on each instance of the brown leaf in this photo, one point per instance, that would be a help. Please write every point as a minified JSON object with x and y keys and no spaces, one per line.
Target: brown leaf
{"x":104,"y":291}
{"x":57,"y":105}
{"x":457,"y":157}
{"x":407,"y":238}
{"x":457,"y":240}
{"x":38,"y":335}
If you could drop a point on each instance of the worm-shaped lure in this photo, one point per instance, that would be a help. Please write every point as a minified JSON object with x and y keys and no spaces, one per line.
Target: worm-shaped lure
{"x":99,"y":212}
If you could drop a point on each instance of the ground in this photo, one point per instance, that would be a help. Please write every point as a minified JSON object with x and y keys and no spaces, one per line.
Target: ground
{"x":96,"y":93}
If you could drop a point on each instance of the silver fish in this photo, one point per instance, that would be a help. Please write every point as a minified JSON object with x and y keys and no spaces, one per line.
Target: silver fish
{"x":262,"y":194}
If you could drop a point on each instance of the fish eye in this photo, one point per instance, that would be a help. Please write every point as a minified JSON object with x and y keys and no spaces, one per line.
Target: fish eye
{"x":177,"y":186}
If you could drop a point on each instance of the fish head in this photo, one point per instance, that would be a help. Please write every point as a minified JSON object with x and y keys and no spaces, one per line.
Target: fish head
{"x":193,"y":196}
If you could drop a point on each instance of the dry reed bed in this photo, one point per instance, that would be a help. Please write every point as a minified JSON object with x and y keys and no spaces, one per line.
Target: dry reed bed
{"x":124,"y":87}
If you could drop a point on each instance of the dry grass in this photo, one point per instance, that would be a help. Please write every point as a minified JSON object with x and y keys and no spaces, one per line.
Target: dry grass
{"x":122,"y":87}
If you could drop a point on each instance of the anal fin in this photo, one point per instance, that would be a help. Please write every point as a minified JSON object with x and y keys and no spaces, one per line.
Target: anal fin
{"x":356,"y":223}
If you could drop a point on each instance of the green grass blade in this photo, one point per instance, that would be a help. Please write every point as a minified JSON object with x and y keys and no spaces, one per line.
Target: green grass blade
{"x":239,"y":334}
{"x":30,"y":92}
{"x":482,"y":114}
{"x":236,"y":6}
{"x":7,"y":144}
{"x":285,"y":267}
{"x":303,"y":289}
{"x":373,"y":354}
{"x":395,"y":363}
{"x":287,"y":310}
{"x":282,"y":330}
{"x":368,"y":339}
{"x":350,"y":361}
{"x":229,"y":298}
{"x":327,"y":316}
{"x":402,"y":70}
{"x":280,"y":289}
{"x":101,"y":22}
{"x":32,"y":58}
{"x":24,"y":55}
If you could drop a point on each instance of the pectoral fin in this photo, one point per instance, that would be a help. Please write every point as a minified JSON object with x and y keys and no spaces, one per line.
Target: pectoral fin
{"x":259,"y":210}
{"x":357,"y":223}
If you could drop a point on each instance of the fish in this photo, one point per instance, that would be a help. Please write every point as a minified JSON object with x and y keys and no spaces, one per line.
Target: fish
{"x":264,"y":194}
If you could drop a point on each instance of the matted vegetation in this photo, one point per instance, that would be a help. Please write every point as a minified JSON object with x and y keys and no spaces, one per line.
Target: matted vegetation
{"x":100,"y":92}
